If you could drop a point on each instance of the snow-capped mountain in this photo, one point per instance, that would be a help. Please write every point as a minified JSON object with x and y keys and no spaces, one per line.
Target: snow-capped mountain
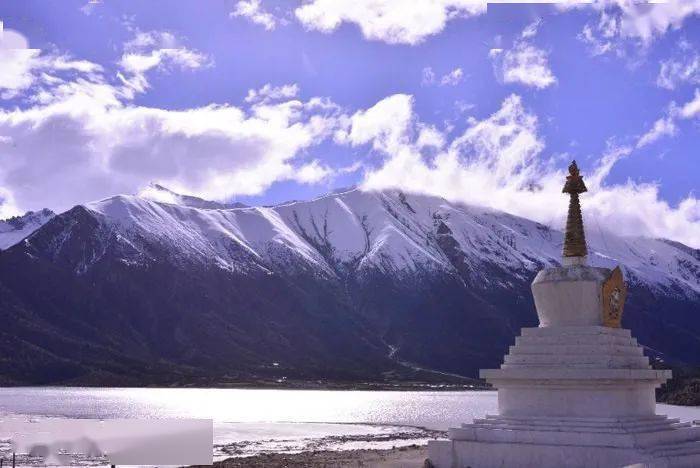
{"x":352,"y":285}
{"x":14,"y":229}
{"x":392,"y":231}
{"x":158,"y":193}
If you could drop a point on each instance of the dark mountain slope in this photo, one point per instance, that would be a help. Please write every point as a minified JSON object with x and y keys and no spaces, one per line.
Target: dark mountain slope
{"x":351,"y":287}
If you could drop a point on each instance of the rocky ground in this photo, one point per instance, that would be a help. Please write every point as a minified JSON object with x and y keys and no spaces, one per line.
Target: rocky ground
{"x":413,"y":456}
{"x":683,"y":388}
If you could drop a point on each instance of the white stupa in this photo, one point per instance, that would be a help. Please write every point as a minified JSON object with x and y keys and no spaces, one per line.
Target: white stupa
{"x":577,"y":390}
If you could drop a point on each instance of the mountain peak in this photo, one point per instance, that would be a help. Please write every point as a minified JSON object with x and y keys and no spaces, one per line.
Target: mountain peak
{"x":355,"y":229}
{"x":382,"y":274}
{"x":161,"y":194}
{"x":13,"y":230}
{"x":391,"y":230}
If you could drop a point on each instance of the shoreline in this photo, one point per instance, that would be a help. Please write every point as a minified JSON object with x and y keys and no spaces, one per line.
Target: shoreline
{"x":298,"y":385}
{"x":368,"y":437}
{"x":409,"y":456}
{"x":682,"y":391}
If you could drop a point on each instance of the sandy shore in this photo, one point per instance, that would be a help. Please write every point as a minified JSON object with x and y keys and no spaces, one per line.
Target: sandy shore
{"x":412,"y":456}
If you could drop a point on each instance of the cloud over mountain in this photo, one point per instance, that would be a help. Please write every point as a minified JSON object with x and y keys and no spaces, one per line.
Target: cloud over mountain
{"x":285,"y":108}
{"x":81,"y":138}
{"x":500,"y":162}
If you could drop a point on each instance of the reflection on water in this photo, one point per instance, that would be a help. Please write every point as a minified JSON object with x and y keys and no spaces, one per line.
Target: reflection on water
{"x":250,"y":421}
{"x":434,"y":410}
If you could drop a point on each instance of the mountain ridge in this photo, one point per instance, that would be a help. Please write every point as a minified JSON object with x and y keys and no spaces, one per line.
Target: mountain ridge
{"x":306,"y":234}
{"x":16,"y":228}
{"x":352,"y":285}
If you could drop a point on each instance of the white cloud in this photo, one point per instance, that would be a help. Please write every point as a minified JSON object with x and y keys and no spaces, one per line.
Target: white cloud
{"x":89,"y":7}
{"x":156,"y":193}
{"x":383,"y":124}
{"x":453,"y":78}
{"x":523,"y":64}
{"x":427,"y":76}
{"x":74,"y":151}
{"x":312,"y":173}
{"x":675,"y":71}
{"x":498,"y":162}
{"x":10,"y":39}
{"x":489,"y":164}
{"x":24,"y":68}
{"x":642,"y":22}
{"x":79,"y":138}
{"x":430,"y":137}
{"x":18,"y":62}
{"x":664,"y":126}
{"x":667,"y":125}
{"x":253,"y":11}
{"x":82,"y":139}
{"x":151,"y":50}
{"x":691,"y":108}
{"x":18,"y":70}
{"x":649,"y":20}
{"x":597,"y":45}
{"x":531,"y":29}
{"x":272,"y":93}
{"x":8,"y":208}
{"x":410,"y":22}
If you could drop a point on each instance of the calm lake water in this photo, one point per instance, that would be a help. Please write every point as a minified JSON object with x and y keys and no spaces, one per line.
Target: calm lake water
{"x":250,"y":421}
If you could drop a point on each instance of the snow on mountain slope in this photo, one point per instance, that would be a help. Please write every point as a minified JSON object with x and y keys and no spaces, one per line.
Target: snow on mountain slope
{"x":354,"y":231}
{"x":15,"y":229}
{"x":158,"y":193}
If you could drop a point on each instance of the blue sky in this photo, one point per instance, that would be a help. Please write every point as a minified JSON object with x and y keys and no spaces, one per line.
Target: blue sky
{"x":264,"y":101}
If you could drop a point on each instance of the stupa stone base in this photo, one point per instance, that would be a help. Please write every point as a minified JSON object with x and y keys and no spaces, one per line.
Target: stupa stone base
{"x":497,"y":441}
{"x":576,"y":371}
{"x":572,"y":396}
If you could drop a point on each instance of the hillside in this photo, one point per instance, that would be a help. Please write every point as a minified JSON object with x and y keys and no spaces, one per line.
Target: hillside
{"x":353,"y":286}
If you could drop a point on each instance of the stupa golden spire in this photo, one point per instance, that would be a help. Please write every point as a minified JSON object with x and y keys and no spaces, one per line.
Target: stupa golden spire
{"x":574,"y":238}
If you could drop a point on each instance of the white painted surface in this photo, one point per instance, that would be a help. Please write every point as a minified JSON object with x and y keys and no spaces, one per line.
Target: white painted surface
{"x":569,"y":296}
{"x":572,"y":393}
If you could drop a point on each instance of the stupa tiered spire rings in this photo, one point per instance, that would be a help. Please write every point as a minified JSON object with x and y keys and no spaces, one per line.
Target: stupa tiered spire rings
{"x":574,"y":237}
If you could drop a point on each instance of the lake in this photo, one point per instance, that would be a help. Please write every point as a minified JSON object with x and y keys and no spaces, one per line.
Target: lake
{"x":251,"y":421}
